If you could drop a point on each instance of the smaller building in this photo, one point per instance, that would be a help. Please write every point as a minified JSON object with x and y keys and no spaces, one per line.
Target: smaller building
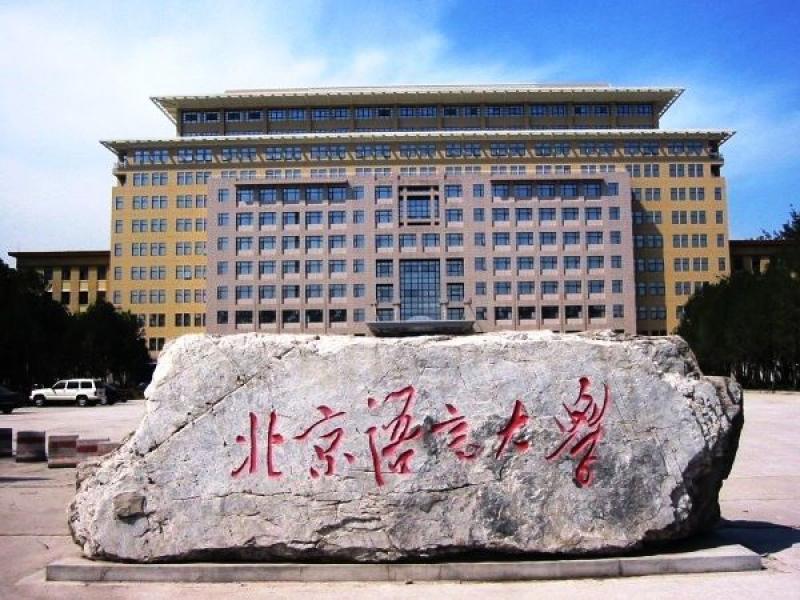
{"x":76,"y":278}
{"x":754,"y":256}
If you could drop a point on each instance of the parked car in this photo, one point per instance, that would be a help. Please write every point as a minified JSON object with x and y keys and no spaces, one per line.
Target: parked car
{"x":9,"y":400}
{"x":81,"y":391}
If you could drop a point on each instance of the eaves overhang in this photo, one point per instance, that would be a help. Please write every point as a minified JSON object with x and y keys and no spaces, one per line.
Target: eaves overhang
{"x":720,"y":135}
{"x":171,"y":106}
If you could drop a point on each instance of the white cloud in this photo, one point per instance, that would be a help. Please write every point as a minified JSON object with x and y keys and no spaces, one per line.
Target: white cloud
{"x":75,"y":73}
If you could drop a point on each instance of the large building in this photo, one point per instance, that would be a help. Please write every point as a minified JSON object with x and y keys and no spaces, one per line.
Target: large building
{"x":529,"y":206}
{"x":75,"y":278}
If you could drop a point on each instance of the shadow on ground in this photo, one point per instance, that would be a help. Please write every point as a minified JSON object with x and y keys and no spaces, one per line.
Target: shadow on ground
{"x":759,"y":536}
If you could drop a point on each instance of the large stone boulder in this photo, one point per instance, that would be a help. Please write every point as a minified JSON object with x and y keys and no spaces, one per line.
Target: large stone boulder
{"x":265,"y":447}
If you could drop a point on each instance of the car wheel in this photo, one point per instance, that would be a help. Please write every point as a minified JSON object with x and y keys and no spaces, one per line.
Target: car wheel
{"x":104,"y":401}
{"x":82,"y":400}
{"x":7,"y":411}
{"x":39,"y":401}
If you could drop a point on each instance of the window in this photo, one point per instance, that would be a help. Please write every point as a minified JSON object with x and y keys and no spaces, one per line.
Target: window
{"x":524,"y":238}
{"x":549,"y":288}
{"x":548,"y":263}
{"x":408,"y":240}
{"x":453,"y":191}
{"x":384,"y":292}
{"x":455,"y":267}
{"x":384,"y":268}
{"x":501,"y":264}
{"x":290,"y":242}
{"x":455,"y":292}
{"x":418,"y":208}
{"x":384,"y":241}
{"x":430,"y":240}
{"x":502,"y":313}
{"x":337,"y":290}
{"x":500,"y":215}
{"x":454,"y":240}
{"x":499,"y":238}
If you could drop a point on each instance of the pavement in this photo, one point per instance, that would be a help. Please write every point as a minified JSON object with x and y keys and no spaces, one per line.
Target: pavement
{"x":760,"y":506}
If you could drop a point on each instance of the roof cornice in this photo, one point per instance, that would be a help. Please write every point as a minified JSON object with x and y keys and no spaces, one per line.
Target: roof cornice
{"x":721,"y":134}
{"x":171,"y":105}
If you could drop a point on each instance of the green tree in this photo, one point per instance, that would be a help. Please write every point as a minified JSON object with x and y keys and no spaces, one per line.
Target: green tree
{"x":32,"y":330}
{"x":41,"y":342}
{"x":108,"y":341}
{"x":748,"y":326}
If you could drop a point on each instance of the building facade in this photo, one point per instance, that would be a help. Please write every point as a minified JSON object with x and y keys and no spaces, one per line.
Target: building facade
{"x":75,"y":278}
{"x":355,"y":140}
{"x":506,"y":251}
{"x":755,"y":256}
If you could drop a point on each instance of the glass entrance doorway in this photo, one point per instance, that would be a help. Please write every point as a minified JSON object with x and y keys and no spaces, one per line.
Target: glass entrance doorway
{"x":419,"y":289}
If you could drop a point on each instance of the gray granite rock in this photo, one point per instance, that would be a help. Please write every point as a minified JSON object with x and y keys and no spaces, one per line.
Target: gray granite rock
{"x":294,"y":447}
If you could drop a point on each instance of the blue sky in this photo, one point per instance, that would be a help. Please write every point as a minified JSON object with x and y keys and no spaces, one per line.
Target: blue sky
{"x":78,"y":72}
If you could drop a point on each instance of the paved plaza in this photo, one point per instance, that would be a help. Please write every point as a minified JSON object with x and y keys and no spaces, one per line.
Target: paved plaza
{"x":760,"y":504}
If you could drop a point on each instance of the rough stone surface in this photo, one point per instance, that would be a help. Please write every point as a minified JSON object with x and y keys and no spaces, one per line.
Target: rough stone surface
{"x":643,"y":463}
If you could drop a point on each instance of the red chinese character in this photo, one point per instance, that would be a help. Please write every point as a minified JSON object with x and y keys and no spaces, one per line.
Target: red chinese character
{"x":519,"y":417}
{"x":457,"y":429}
{"x":401,"y":432}
{"x":272,"y":438}
{"x":251,"y":461}
{"x":584,"y":432}
{"x":335,"y":436}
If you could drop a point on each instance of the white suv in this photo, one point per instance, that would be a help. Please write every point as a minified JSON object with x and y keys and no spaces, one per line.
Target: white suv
{"x":82,"y":391}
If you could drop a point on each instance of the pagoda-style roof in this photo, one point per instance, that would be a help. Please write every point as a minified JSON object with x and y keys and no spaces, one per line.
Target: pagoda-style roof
{"x":661,"y":97}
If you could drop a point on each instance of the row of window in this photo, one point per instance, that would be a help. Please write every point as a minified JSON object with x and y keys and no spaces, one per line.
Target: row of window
{"x":635,"y":170}
{"x":695,"y":240}
{"x":385,"y":292}
{"x":182,"y":248}
{"x":159,"y":296}
{"x":417,"y":112}
{"x":471,"y":149}
{"x":338,"y":194}
{"x":160,"y":225}
{"x":686,"y":264}
{"x":696,"y":217}
{"x":385,"y":268}
{"x":245,"y":221}
{"x":311,"y":316}
{"x":680,"y":194}
{"x":159,"y":272}
{"x":313,"y":194}
{"x":499,"y":240}
{"x":66,"y":273}
{"x":685,"y":288}
{"x":153,"y":320}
